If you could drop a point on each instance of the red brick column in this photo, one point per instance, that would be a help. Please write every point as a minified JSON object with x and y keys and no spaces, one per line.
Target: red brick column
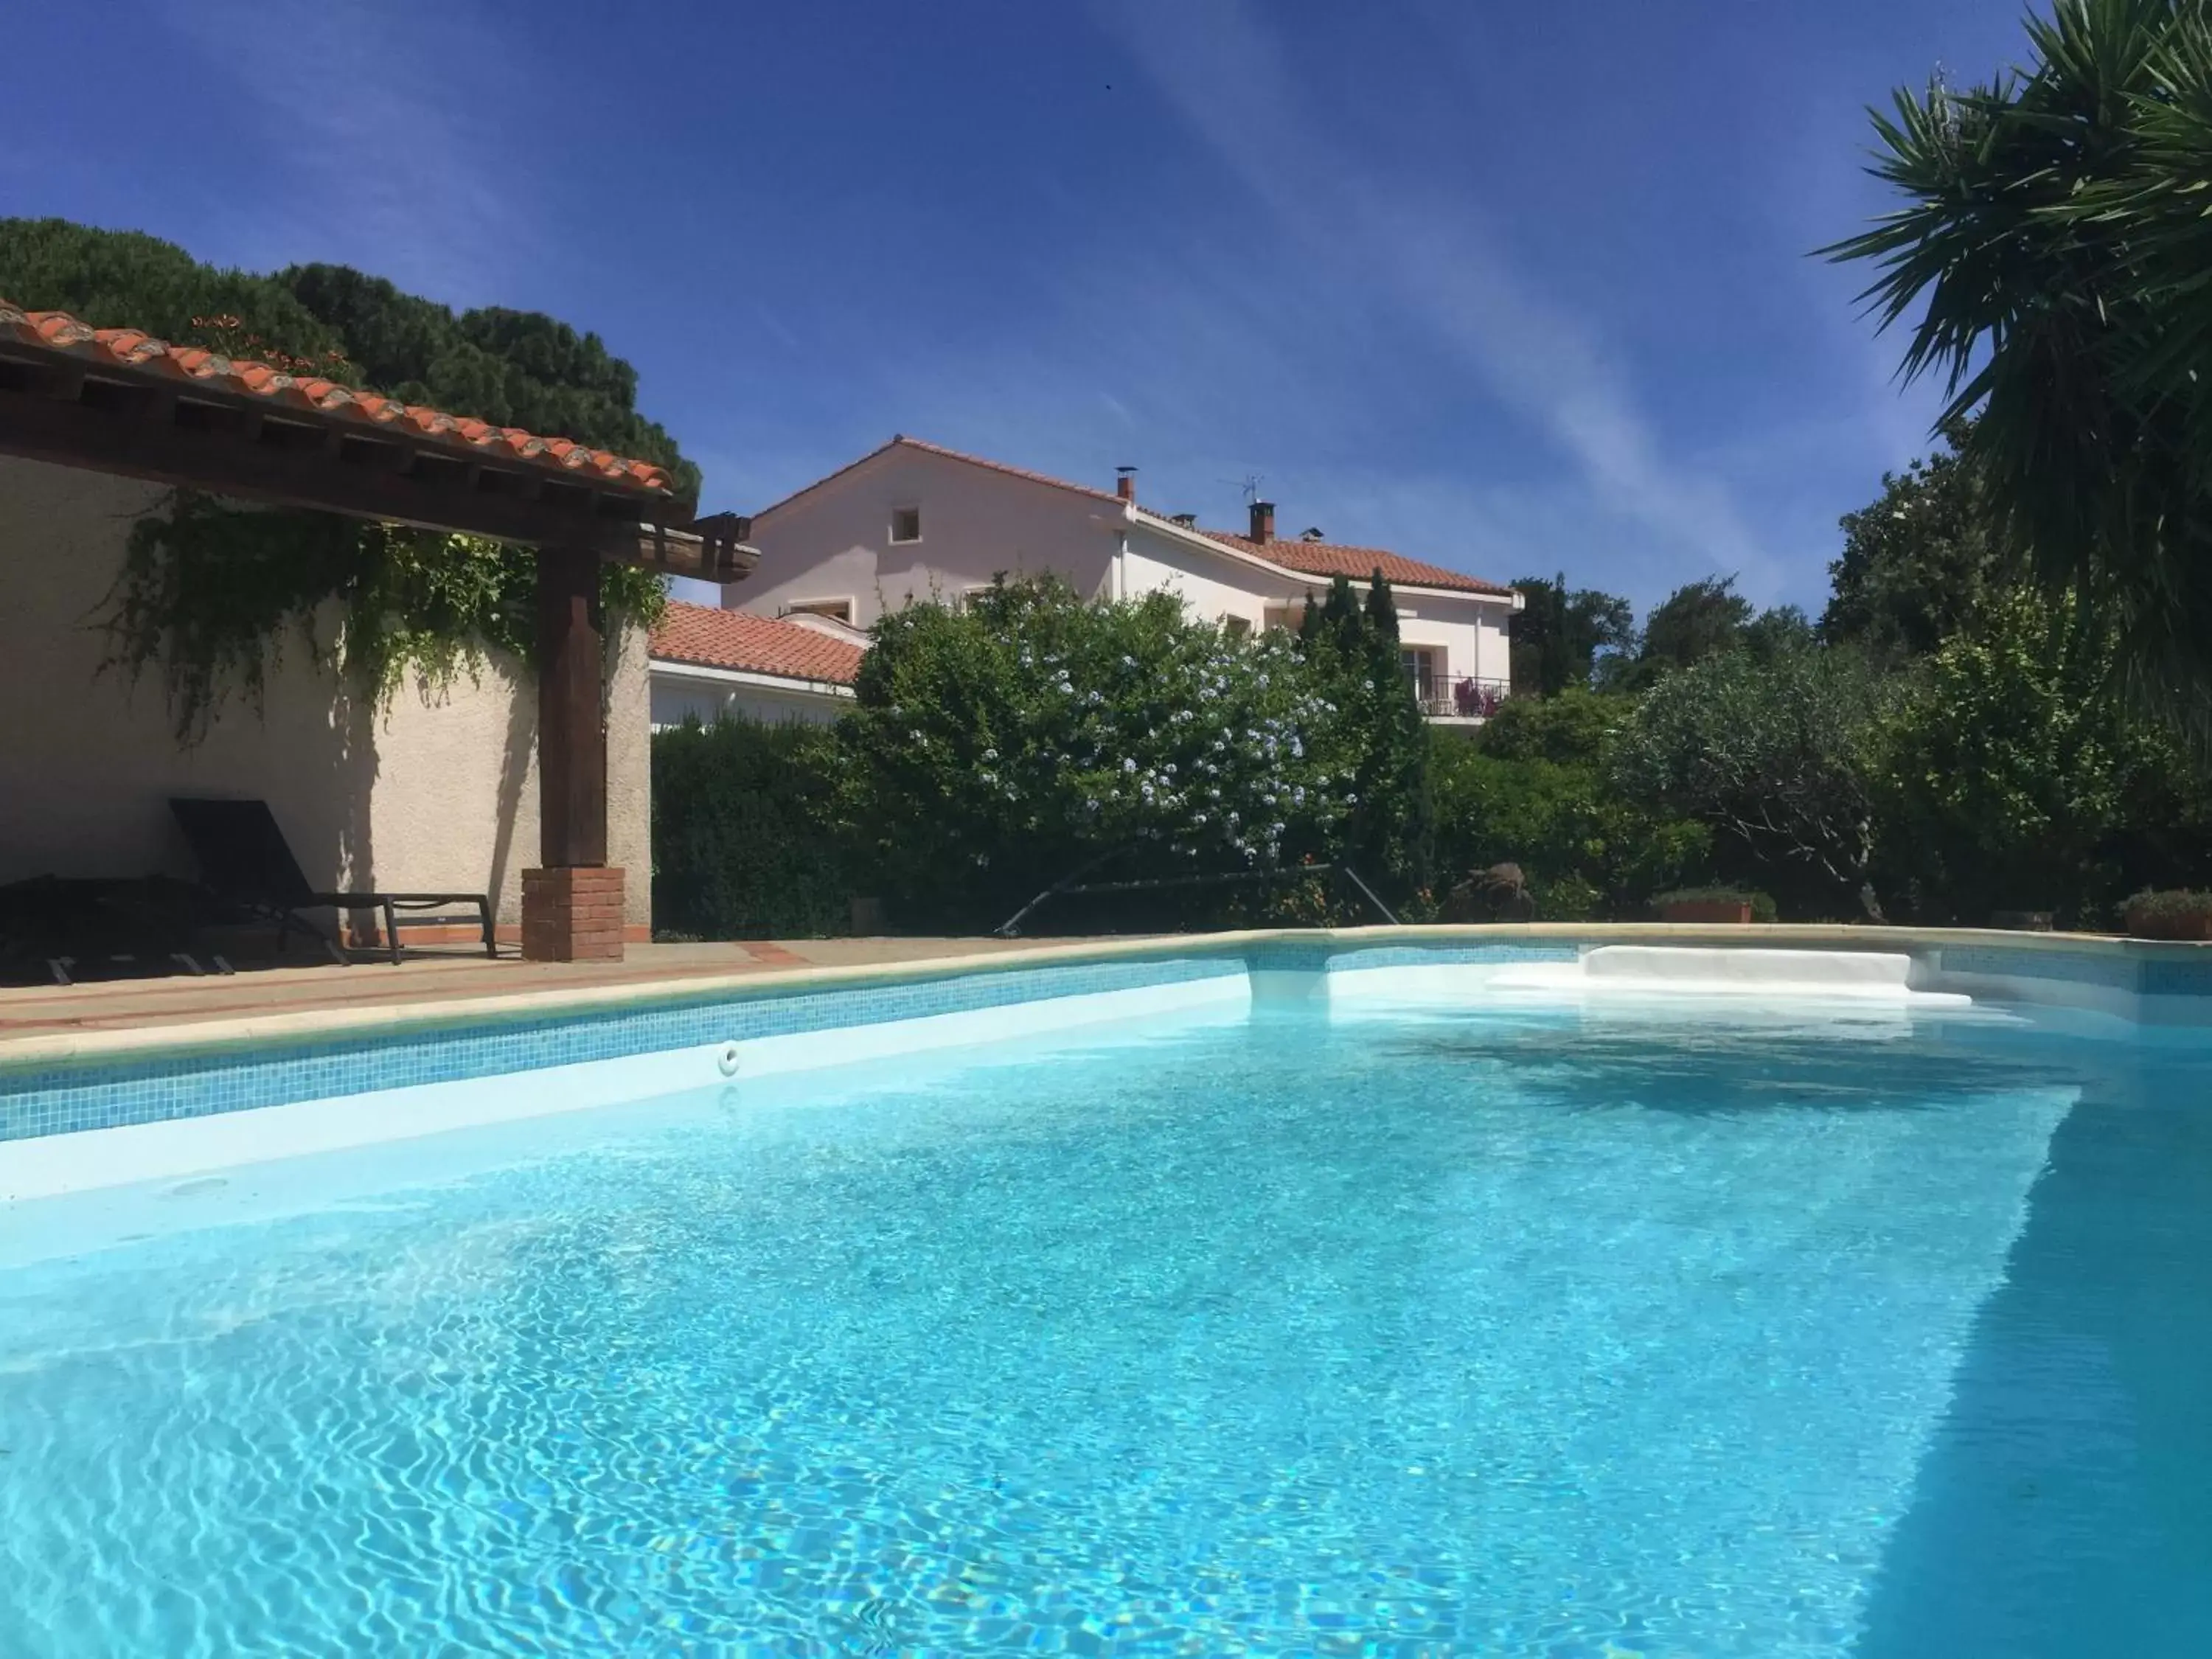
{"x":572,"y":915}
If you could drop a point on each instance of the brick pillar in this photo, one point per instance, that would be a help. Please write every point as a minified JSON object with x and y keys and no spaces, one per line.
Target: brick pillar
{"x":572,"y":915}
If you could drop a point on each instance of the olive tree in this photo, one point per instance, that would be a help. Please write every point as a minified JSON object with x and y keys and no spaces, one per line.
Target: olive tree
{"x":1774,"y":754}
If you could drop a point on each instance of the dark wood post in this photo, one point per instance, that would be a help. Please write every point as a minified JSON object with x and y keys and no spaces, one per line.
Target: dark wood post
{"x":572,"y":908}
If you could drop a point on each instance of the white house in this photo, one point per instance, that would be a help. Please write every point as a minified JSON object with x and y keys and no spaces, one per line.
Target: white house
{"x":912,"y":521}
{"x":709,"y":663}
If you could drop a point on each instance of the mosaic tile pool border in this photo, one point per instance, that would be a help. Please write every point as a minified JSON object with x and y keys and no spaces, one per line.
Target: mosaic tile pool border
{"x":2147,"y":976}
{"x":104,"y":1093}
{"x":99,"y":1095}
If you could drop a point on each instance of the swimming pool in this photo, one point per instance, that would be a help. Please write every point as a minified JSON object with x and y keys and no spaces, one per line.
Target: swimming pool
{"x":1404,"y":1324}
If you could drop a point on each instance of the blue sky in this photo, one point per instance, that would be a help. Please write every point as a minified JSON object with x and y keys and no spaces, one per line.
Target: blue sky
{"x":1515,"y":289}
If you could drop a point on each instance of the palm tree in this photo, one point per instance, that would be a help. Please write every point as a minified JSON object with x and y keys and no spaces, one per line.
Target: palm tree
{"x":2055,"y":239}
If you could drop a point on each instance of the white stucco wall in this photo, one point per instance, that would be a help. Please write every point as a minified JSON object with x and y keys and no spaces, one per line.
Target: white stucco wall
{"x":835,"y":542}
{"x":680,"y":694}
{"x":1465,"y":630}
{"x":437,"y":795}
{"x":1211,"y":585}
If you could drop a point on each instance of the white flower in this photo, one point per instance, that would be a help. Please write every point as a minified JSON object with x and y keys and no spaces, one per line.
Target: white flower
{"x":1128,"y":765}
{"x":990,"y":754}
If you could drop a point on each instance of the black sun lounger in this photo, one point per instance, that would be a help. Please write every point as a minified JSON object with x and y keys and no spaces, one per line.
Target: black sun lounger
{"x":244,"y":860}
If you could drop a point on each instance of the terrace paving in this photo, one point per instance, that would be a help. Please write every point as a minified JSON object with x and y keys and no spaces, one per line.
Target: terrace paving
{"x":428,"y":978}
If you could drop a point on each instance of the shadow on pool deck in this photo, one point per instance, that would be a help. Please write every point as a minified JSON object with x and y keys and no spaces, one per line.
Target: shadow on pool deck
{"x":2063,"y":1509}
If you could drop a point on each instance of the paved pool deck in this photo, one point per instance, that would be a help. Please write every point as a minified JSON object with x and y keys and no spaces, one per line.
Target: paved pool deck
{"x":430,"y":978}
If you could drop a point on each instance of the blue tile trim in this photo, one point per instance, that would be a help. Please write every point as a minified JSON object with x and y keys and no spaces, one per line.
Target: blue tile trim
{"x":101,"y":1095}
{"x":2113,"y":973}
{"x":2163,"y":976}
{"x":105,"y":1094}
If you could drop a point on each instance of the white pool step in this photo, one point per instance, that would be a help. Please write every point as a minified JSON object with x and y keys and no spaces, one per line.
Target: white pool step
{"x":1750,"y":971}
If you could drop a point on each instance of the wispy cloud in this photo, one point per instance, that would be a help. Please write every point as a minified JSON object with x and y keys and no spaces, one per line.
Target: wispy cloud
{"x":1432,"y":255}
{"x":398,"y":138}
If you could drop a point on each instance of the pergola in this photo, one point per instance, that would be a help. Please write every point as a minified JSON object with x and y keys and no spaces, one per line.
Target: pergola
{"x":115,"y":400}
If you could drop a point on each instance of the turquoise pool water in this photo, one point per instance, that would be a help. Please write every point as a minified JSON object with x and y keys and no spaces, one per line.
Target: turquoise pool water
{"x":1525,"y":1334}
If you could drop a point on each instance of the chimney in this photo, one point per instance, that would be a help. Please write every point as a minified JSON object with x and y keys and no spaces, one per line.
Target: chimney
{"x":1263,"y":522}
{"x":1124,"y":482}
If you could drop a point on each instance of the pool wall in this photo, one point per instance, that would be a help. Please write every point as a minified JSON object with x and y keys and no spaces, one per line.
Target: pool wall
{"x":412,"y":1070}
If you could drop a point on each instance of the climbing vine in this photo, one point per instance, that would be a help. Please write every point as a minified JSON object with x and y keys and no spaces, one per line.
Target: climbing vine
{"x":211,"y":593}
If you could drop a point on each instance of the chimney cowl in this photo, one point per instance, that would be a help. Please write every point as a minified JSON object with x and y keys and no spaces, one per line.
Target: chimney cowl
{"x":1263,"y":522}
{"x":1124,"y":482}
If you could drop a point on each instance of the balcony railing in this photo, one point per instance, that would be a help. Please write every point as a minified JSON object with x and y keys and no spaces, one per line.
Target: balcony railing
{"x":1461,"y":696}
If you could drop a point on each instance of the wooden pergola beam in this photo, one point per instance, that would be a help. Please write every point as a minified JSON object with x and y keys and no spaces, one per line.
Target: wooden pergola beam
{"x":227,"y":447}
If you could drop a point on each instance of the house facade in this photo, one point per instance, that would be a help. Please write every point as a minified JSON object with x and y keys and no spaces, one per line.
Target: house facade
{"x":912,"y":522}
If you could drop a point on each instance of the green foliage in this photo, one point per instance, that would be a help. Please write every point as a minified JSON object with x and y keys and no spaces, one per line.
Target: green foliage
{"x":744,"y":843}
{"x":125,"y":279}
{"x":997,"y":749}
{"x":1917,"y":563}
{"x":1698,"y":620}
{"x":1777,"y":632}
{"x":2011,"y":771}
{"x":1570,"y":729}
{"x":1354,"y":660}
{"x":1558,"y":635}
{"x":210,"y":591}
{"x":511,"y":367}
{"x":1585,"y":851}
{"x":2053,"y":244}
{"x":1775,"y":758}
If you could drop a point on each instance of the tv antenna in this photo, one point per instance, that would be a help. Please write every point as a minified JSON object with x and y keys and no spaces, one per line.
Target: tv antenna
{"x":1249,"y":483}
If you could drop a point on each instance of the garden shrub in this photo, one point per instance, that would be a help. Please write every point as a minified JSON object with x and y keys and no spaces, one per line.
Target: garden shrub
{"x":745,"y":842}
{"x":2012,"y":771}
{"x":1586,"y":852}
{"x":2170,"y":914}
{"x":1002,"y":747}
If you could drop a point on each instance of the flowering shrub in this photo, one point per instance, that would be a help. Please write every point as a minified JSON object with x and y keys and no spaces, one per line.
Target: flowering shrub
{"x":997,"y":748}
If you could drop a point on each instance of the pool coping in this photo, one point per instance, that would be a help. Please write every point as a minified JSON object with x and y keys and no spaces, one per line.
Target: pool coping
{"x":45,"y":1050}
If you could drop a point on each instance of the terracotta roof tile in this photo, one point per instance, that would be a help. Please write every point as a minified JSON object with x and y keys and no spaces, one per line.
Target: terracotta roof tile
{"x":1335,"y":559}
{"x":714,"y":638}
{"x":901,"y":441}
{"x":129,"y":348}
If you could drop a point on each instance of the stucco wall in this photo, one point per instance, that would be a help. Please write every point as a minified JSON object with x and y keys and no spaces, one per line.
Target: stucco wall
{"x":1211,"y":585}
{"x":1469,"y":632}
{"x":440,"y":794}
{"x":676,"y":699}
{"x":835,"y":543}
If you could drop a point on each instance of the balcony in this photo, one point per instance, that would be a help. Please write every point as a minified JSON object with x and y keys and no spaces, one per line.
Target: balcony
{"x":1458,"y":697}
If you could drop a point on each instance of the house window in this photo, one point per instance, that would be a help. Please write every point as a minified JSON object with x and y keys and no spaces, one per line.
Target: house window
{"x":1419,"y":666}
{"x":836,"y":610}
{"x":1236,"y":628}
{"x":906,"y":524}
